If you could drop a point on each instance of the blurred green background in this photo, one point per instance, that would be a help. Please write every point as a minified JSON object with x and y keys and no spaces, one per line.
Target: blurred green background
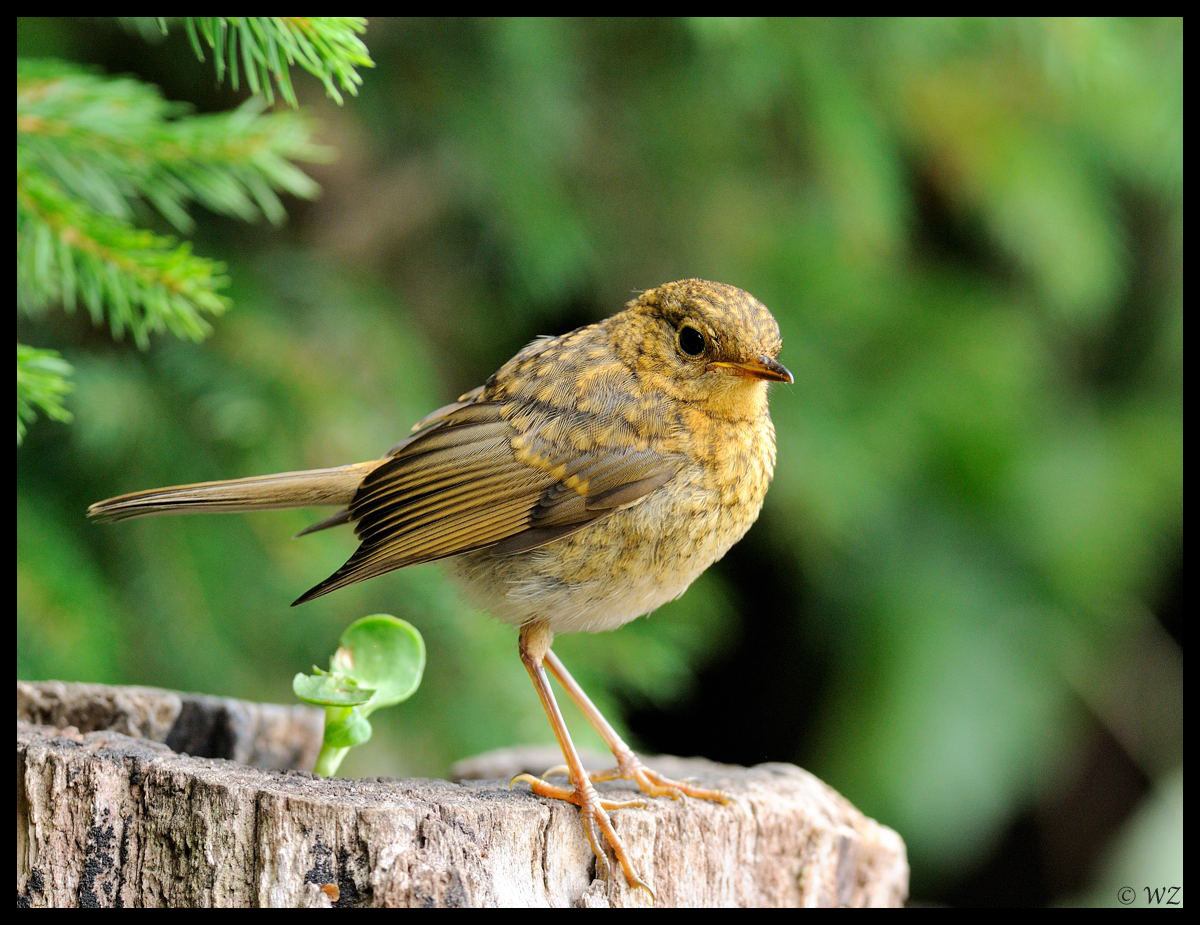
{"x":961,"y":605}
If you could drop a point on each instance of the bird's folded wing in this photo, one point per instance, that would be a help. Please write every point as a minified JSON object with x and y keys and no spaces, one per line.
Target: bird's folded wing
{"x":473,"y":480}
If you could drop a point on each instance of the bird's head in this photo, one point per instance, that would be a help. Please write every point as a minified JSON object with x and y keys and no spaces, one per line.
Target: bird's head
{"x":704,"y":342}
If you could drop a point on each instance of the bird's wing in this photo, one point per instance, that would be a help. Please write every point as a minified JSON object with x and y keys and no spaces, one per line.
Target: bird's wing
{"x":474,"y":480}
{"x":419,"y":429}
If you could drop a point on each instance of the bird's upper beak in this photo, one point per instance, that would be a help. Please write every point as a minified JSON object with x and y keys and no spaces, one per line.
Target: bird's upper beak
{"x":761,"y":368}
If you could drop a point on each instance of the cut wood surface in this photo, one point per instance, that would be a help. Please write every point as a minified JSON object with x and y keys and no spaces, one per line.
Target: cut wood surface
{"x":119,"y":818}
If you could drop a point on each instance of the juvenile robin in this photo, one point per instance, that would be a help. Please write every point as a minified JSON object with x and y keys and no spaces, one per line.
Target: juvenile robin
{"x":587,"y":482}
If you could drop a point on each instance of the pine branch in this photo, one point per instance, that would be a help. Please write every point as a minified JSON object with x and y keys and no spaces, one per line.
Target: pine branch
{"x":265,"y":47}
{"x":93,"y":153}
{"x":42,"y":382}
{"x":113,"y":142}
{"x":69,"y":253}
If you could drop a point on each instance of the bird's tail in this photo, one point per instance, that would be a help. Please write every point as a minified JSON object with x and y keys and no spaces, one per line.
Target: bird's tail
{"x":308,"y":488}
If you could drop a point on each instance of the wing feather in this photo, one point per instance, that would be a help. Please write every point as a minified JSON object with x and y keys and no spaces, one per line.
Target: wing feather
{"x":471,"y":479}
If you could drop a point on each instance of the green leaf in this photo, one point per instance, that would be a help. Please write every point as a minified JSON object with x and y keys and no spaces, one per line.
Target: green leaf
{"x":330,"y":690}
{"x":379,"y":663}
{"x":385,"y":653}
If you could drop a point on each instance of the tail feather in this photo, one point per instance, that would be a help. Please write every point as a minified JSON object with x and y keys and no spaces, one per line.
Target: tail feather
{"x":309,"y":488}
{"x":341,"y":517}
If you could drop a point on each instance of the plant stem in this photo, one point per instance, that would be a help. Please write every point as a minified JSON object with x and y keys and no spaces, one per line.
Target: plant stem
{"x":328,"y":760}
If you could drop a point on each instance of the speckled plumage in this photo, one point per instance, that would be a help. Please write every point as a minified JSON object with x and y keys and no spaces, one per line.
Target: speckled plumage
{"x":588,"y":481}
{"x":607,"y":394}
{"x":594,"y":475}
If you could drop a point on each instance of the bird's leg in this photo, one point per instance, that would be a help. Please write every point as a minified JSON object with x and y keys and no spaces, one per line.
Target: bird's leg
{"x":629,"y":766}
{"x":534,"y":645}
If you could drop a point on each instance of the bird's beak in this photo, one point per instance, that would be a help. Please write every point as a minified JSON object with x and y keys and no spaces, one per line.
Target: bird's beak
{"x":762,"y":368}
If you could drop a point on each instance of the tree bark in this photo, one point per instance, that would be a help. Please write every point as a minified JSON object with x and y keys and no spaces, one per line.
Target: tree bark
{"x":108,"y":818}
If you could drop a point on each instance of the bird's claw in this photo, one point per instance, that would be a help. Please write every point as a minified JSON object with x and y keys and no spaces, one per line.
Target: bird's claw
{"x":571,"y":794}
{"x":594,"y":812}
{"x":654,"y":784}
{"x":649,"y":782}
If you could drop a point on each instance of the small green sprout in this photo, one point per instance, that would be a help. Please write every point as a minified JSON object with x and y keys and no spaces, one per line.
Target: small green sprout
{"x":379,"y":663}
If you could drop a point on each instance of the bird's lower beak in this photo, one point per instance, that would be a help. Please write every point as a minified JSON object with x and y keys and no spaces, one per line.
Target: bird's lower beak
{"x":762,"y":368}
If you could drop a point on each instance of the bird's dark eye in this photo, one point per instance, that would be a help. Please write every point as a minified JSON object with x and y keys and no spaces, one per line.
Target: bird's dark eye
{"x":691,"y":342}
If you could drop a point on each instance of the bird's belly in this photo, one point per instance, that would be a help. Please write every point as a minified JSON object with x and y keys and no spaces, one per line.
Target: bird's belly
{"x":616,"y":569}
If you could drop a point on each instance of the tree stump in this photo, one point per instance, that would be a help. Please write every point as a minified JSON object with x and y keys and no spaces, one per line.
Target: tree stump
{"x":110,"y":813}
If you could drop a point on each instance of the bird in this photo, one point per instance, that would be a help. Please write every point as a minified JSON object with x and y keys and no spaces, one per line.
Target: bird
{"x":588,"y":481}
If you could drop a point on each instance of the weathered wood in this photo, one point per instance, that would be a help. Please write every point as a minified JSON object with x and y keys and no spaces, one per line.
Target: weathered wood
{"x":262,"y":735}
{"x":105,"y":819}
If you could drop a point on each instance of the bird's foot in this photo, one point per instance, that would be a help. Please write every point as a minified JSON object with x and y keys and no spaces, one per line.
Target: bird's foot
{"x":651,"y":783}
{"x":594,"y":813}
{"x":546,"y":789}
